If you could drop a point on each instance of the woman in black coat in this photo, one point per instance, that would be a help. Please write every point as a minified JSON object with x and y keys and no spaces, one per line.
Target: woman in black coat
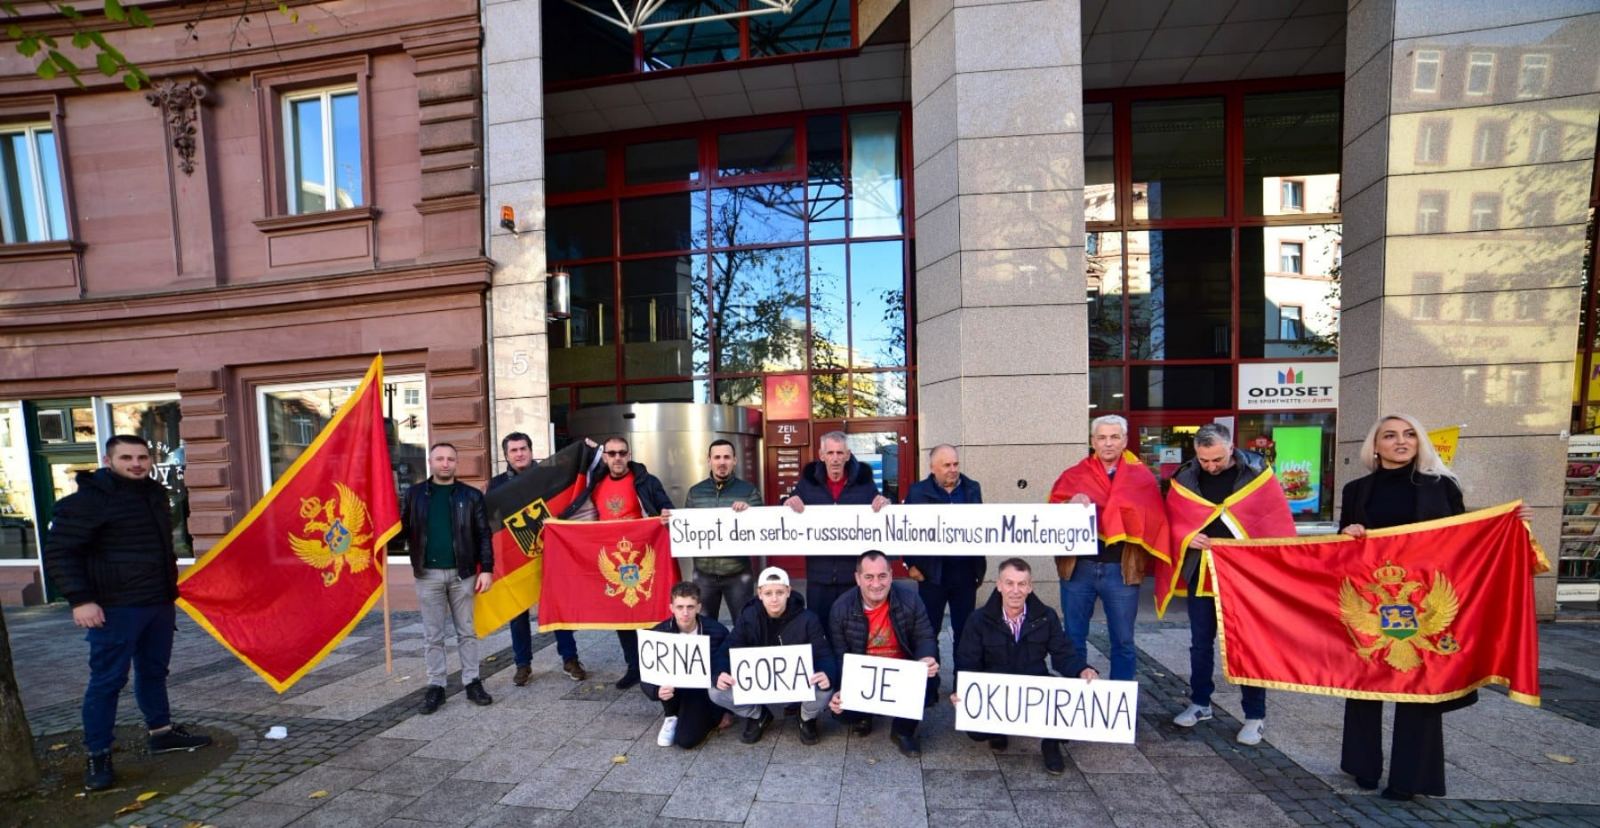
{"x":1408,"y":483}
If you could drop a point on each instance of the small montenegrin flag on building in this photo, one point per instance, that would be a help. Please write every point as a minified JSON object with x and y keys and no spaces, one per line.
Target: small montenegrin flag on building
{"x":607,"y":575}
{"x":307,"y":563}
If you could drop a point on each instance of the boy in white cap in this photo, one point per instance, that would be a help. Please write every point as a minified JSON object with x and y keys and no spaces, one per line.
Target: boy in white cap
{"x":777,"y":617}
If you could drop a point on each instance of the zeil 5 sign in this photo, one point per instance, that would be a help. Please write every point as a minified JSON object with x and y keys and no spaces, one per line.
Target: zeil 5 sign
{"x":1281,"y":386}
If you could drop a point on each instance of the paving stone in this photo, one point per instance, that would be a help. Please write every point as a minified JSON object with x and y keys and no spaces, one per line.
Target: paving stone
{"x":456,"y":744}
{"x":1144,"y":820}
{"x":456,"y":802}
{"x":791,"y":814}
{"x":648,"y":772}
{"x":801,"y":783}
{"x":993,"y":818}
{"x":1099,"y":757}
{"x":353,"y":809}
{"x":554,"y":788}
{"x":411,"y":776}
{"x":1233,"y":810}
{"x":788,"y":749}
{"x":1027,"y":773}
{"x":509,"y":816}
{"x":889,"y":806}
{"x":261,"y":814}
{"x":502,"y":764}
{"x":596,"y":754}
{"x":724,"y":757}
{"x":332,"y":780}
{"x":705,"y":797}
{"x":615,"y":810}
{"x":1057,"y":809}
{"x":1201,"y":774}
{"x":876,"y":758}
{"x":963,"y":790}
{"x":1121,"y":793}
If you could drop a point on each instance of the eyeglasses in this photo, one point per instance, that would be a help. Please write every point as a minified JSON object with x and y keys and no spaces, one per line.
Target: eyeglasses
{"x":622,"y":453}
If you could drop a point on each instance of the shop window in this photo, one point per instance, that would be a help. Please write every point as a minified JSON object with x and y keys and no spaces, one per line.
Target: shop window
{"x":1179,"y":293}
{"x":1292,"y":152}
{"x":1425,"y":70}
{"x":755,"y":152}
{"x":322,"y":150}
{"x":1485,"y":211}
{"x":825,"y":177}
{"x":575,"y":172}
{"x":1105,"y":389}
{"x":664,"y":317}
{"x":1290,"y":328}
{"x":18,"y":516}
{"x":876,"y":189}
{"x":1103,"y":260}
{"x":1300,"y":449}
{"x":158,"y":421}
{"x":1180,"y":386}
{"x":878,"y":394}
{"x":1431,"y":211}
{"x":1099,"y":171}
{"x":579,"y":231}
{"x":1489,"y":143}
{"x":1480,"y":73}
{"x":656,"y":224}
{"x":1433,"y":136}
{"x":583,"y":346}
{"x":758,"y":214}
{"x":1291,"y":257}
{"x":32,"y":204}
{"x":877,"y":304}
{"x":1533,"y":76}
{"x":760,"y":310}
{"x":1284,"y":311}
{"x":830,"y":303}
{"x":677,"y":160}
{"x":1177,"y":157}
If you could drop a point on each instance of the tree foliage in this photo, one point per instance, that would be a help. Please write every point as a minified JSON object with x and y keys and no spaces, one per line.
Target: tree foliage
{"x":51,"y":60}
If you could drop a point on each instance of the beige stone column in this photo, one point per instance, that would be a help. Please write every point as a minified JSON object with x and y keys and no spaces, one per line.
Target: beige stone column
{"x":1002,"y":339}
{"x":520,"y":386}
{"x":1467,"y":166}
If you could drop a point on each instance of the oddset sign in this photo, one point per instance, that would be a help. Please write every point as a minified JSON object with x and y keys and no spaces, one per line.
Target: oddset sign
{"x":1288,"y":386}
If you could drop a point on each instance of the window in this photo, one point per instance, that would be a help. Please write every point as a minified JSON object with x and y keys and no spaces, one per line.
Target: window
{"x":1289,"y":325}
{"x":1489,"y":144}
{"x":1480,"y":73}
{"x":32,"y":207}
{"x":1533,"y":77}
{"x":1520,"y":389}
{"x":157,"y":419}
{"x":1425,"y":289}
{"x":1430,"y":211}
{"x":413,"y":396}
{"x":1530,"y":305}
{"x":1540,"y":210}
{"x":322,"y":150}
{"x":1291,"y":257}
{"x":1292,"y":195}
{"x":18,"y":532}
{"x":1485,"y":211}
{"x":1425,"y":71}
{"x":1432,"y":137}
{"x":1546,"y":142}
{"x":1477,"y":299}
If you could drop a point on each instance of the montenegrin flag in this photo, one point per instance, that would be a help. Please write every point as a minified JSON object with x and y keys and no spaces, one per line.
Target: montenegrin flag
{"x":1425,"y":612}
{"x":607,"y":575}
{"x":517,"y":512}
{"x":1128,"y":506}
{"x":307,"y":563}
{"x":1257,"y":510}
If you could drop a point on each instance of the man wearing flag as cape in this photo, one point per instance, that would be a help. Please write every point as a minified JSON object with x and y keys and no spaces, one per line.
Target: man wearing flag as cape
{"x":1132,"y":525}
{"x":1223,"y":492}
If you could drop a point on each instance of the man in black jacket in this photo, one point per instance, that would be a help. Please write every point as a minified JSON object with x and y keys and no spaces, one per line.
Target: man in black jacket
{"x":1013,"y":633}
{"x":878,"y":617}
{"x":775,"y":618}
{"x":834,"y":478}
{"x":446,"y":525}
{"x":109,"y":551}
{"x":946,"y":580}
{"x":620,"y":489}
{"x":690,"y":713}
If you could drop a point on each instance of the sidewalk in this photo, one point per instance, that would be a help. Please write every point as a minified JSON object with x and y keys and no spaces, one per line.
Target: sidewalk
{"x":551,"y":753}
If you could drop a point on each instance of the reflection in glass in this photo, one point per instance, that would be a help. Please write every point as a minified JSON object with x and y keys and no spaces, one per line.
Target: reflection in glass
{"x":579,"y":231}
{"x":759,"y":309}
{"x":308,"y":187}
{"x":158,"y":423}
{"x":1289,"y":291}
{"x":830,"y":395}
{"x":662,"y":161}
{"x":346,"y":150}
{"x":666,"y":222}
{"x":757,"y":151}
{"x":1099,"y":176}
{"x":17,"y":530}
{"x":711,"y":41}
{"x":1179,"y":291}
{"x":583,"y":347}
{"x":664,"y":317}
{"x":1180,"y":386}
{"x":878,"y":394}
{"x":758,"y":214}
{"x":685,"y":391}
{"x":877,"y":304}
{"x":1291,"y":152}
{"x":1105,"y":390}
{"x":813,"y":26}
{"x":50,"y":182}
{"x":578,"y":44}
{"x":576,"y":171}
{"x":875,"y":184}
{"x":1178,"y":158}
{"x":1255,"y":433}
{"x":742,"y":391}
{"x":1103,"y":264}
{"x":597,"y":395}
{"x":830,"y":335}
{"x":825,"y":190}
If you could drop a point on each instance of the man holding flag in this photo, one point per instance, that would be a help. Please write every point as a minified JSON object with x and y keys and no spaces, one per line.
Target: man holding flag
{"x":1223,"y":492}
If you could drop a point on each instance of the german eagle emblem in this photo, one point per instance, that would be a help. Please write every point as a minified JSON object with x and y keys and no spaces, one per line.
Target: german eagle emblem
{"x":339,"y":536}
{"x":1392,"y":622}
{"x":628,"y":571}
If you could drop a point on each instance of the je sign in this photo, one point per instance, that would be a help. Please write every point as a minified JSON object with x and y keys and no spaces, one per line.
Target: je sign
{"x":1288,"y":386}
{"x":883,"y":686}
{"x":772,"y":675}
{"x":674,"y":659}
{"x":1047,"y":707}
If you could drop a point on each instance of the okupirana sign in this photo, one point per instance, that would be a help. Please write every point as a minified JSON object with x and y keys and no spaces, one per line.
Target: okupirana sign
{"x":1047,"y":707}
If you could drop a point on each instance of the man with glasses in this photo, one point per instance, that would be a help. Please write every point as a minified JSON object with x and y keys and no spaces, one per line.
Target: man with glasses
{"x":620,"y":489}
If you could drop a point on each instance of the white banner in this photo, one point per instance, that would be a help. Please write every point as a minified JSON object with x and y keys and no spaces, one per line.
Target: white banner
{"x":1000,"y":529}
{"x":772,"y":675}
{"x":674,"y":659}
{"x":1047,"y":707}
{"x":883,"y":686}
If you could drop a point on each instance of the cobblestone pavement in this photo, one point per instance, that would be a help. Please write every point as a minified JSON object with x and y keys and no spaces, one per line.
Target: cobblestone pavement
{"x":548,"y":753}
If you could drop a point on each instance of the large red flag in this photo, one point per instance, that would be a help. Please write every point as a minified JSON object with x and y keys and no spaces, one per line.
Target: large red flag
{"x":607,"y":575}
{"x":304,"y":567}
{"x":1258,"y":510}
{"x":1128,"y":507}
{"x":1425,"y":612}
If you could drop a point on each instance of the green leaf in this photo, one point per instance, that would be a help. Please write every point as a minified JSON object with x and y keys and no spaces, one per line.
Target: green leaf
{"x":9,"y":8}
{"x":137,"y":17}
{"x":131,"y":81}
{"x":28,"y":46}
{"x":70,"y":12}
{"x":114,"y":11}
{"x":14,"y":32}
{"x":47,"y":70}
{"x":80,"y":40}
{"x":108,"y":64}
{"x":47,"y":40}
{"x":64,"y":62}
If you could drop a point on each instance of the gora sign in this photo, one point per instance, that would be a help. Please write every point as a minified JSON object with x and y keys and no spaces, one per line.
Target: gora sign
{"x":1288,"y":386}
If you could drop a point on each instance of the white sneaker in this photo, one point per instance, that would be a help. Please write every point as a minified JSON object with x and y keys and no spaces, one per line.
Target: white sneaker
{"x":1192,"y":715}
{"x":1252,"y":731}
{"x":669,"y":730}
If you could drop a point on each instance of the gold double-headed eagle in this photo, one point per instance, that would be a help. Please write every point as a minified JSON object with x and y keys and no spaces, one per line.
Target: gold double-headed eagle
{"x":1397,"y":625}
{"x":628,"y":571}
{"x":339,"y":536}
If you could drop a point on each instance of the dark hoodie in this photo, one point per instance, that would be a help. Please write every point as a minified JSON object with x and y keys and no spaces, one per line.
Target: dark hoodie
{"x":797,"y":625}
{"x":110,"y":543}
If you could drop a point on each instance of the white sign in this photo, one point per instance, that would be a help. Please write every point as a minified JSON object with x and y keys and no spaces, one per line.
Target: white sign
{"x":1047,"y":707}
{"x":1000,"y":529}
{"x":674,"y":659}
{"x":772,"y":675}
{"x":1288,"y":386}
{"x":883,"y":686}
{"x":1578,"y":592}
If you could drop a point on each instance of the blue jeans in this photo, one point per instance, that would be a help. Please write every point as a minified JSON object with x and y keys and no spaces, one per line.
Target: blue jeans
{"x":522,"y":641}
{"x":1091,"y":579}
{"x":1203,"y":660}
{"x":140,"y":637}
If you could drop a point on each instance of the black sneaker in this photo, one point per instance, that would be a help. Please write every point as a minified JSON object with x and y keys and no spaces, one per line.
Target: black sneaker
{"x":753,"y":728}
{"x":477,"y":695}
{"x":176,"y":738}
{"x":628,"y":679}
{"x":998,"y":744}
{"x":862,"y":727}
{"x":434,"y":698}
{"x":1054,"y":763}
{"x":98,"y":775}
{"x":808,"y":732}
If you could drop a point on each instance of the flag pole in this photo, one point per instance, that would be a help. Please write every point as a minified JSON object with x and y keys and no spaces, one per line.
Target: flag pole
{"x":388,"y":642}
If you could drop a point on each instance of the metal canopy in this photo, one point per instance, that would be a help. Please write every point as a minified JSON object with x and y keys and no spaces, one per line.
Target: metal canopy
{"x":639,"y":19}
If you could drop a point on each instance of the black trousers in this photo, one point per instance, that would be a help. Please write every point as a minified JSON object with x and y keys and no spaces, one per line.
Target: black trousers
{"x":959,"y":599}
{"x":629,"y":640}
{"x":820,"y":599}
{"x":1044,"y":744}
{"x":697,"y":716}
{"x":1416,"y":758}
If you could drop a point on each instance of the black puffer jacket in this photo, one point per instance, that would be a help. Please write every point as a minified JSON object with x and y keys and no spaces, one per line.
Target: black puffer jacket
{"x":812,"y":489}
{"x":986,"y":645}
{"x":469,"y":525}
{"x":110,"y":543}
{"x":907,"y":614}
{"x":797,"y":625}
